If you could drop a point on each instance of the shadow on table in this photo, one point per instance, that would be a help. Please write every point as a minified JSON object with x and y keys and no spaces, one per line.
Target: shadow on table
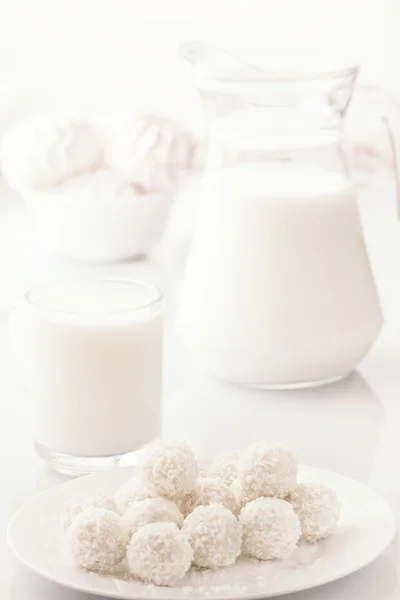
{"x":376,"y":582}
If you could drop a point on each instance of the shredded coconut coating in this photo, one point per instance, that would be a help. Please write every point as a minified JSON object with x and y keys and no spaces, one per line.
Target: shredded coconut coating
{"x":226,"y":467}
{"x":210,"y":490}
{"x":159,"y":553}
{"x":132,"y":491}
{"x":169,"y":469}
{"x":152,"y":510}
{"x":215,"y":536}
{"x":271,"y":528}
{"x":318,"y":509}
{"x":188,"y":502}
{"x":41,"y":152}
{"x":77,"y":504}
{"x":97,"y":539}
{"x":265,"y":470}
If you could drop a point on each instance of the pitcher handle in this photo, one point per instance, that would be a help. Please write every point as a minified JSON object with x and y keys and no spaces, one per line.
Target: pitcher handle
{"x":389,"y":114}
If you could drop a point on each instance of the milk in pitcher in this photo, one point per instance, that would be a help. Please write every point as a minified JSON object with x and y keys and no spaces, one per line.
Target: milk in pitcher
{"x":278,"y":289}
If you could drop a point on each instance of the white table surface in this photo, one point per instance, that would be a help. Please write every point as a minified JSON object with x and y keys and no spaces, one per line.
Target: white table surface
{"x":352,"y":427}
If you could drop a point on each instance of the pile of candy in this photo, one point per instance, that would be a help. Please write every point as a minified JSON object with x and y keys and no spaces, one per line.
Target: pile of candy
{"x":173,"y":516}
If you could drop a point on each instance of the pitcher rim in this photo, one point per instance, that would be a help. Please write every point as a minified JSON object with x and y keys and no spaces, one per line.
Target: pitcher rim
{"x":328,"y":64}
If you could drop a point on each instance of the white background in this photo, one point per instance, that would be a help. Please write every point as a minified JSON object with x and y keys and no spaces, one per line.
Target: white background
{"x":97,"y":53}
{"x":112,"y":53}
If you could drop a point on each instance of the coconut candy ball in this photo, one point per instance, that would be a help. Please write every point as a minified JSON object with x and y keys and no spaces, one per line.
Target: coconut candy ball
{"x":210,"y":490}
{"x":318,"y":509}
{"x":159,"y":553}
{"x":203,"y":473}
{"x":215,"y":535}
{"x":226,"y":467}
{"x":133,"y":490}
{"x":97,"y":539}
{"x":271,"y":528}
{"x":187,"y":502}
{"x":151,"y":510}
{"x":81,"y":502}
{"x":265,"y":470}
{"x":169,"y":469}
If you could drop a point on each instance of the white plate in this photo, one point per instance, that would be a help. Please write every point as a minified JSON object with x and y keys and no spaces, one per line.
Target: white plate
{"x":366,"y":528}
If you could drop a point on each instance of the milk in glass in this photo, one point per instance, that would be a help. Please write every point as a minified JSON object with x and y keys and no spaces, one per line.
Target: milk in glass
{"x":90,"y":358}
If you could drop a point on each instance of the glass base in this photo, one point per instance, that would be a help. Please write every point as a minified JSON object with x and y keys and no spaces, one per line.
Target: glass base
{"x":297,"y":385}
{"x":75,"y":466}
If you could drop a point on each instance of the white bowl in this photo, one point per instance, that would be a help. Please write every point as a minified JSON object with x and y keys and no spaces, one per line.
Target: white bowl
{"x":117,"y":227}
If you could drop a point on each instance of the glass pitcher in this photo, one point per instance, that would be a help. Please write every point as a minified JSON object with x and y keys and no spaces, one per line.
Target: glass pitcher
{"x":278,"y":290}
